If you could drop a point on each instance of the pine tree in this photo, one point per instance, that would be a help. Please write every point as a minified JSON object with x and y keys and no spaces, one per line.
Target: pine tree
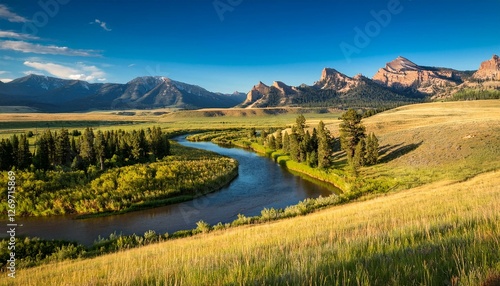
{"x":15,"y":150}
{"x":300,"y":124}
{"x":286,"y":143}
{"x":304,"y":147}
{"x":143,"y":144}
{"x":6,"y":158}
{"x":124,"y":150}
{"x":63,"y":152}
{"x":371,"y":149}
{"x":100,"y":148}
{"x":314,"y":140}
{"x":51,"y":144}
{"x":87,"y":151}
{"x":359,"y":154}
{"x":135,"y":144}
{"x":294,"y":148}
{"x":24,"y":157}
{"x":74,"y":148}
{"x":351,"y":132}
{"x":279,"y":139}
{"x":324,"y":146}
{"x":159,"y":144}
{"x":42,"y":160}
{"x":312,"y":159}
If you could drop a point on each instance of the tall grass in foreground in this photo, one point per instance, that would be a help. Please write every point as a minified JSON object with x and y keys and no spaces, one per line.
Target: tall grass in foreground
{"x":436,"y":234}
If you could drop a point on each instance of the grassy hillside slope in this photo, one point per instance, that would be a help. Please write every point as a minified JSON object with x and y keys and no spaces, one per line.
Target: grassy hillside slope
{"x":429,"y":235}
{"x":425,"y":143}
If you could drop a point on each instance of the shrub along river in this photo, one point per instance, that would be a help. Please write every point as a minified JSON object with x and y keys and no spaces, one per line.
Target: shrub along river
{"x":261,"y":183}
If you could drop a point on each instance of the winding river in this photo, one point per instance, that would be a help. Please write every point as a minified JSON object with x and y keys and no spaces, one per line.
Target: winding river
{"x":261,"y":184}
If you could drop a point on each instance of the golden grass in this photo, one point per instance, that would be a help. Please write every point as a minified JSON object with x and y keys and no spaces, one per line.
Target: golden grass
{"x":439,"y":141}
{"x":323,"y":248}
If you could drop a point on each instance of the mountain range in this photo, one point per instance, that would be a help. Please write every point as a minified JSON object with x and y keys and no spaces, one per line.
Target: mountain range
{"x":400,"y":82}
{"x":149,"y":92}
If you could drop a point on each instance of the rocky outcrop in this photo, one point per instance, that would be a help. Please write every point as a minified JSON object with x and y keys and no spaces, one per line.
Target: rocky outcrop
{"x":332,"y":79}
{"x":489,"y":70}
{"x":261,"y":95}
{"x":256,"y":93}
{"x":284,"y":89}
{"x":402,"y":74}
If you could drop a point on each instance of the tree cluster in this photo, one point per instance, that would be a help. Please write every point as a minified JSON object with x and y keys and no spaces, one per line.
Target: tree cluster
{"x":15,"y":151}
{"x":361,"y":150}
{"x":78,"y":151}
{"x":303,"y":146}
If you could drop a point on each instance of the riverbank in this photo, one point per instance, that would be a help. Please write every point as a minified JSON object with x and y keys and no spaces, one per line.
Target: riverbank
{"x":337,"y":178}
{"x":184,"y":175}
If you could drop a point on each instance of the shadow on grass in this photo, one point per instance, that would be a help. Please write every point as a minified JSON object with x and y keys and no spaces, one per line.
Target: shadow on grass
{"x":388,"y":153}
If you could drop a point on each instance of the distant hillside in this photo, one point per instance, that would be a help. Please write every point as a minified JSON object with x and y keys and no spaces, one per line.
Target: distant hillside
{"x":54,"y":94}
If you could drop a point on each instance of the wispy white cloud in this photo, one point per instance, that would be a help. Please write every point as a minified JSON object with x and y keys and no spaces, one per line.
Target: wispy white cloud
{"x":54,"y":69}
{"x":102,"y":24}
{"x":18,"y":36}
{"x":79,"y":72}
{"x":2,"y":72}
{"x":131,"y":65}
{"x":10,"y":16}
{"x":26,"y":47}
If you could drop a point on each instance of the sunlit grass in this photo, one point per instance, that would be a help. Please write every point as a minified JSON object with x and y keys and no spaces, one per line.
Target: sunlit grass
{"x":430,"y":235}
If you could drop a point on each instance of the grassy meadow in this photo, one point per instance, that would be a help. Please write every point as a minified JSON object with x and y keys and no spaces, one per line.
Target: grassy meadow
{"x":439,"y":224}
{"x":439,"y":234}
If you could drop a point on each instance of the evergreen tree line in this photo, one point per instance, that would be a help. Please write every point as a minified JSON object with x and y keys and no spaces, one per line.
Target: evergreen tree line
{"x":78,"y":152}
{"x":362,"y":96}
{"x":474,"y":94}
{"x":316,"y":148}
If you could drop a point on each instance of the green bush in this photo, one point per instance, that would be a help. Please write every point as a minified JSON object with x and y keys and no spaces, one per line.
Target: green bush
{"x":202,"y":227}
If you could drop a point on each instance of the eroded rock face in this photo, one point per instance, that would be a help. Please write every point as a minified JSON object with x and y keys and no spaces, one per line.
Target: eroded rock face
{"x":256,"y":93}
{"x":489,"y":70}
{"x":401,"y":73}
{"x":332,"y":79}
{"x":261,"y":95}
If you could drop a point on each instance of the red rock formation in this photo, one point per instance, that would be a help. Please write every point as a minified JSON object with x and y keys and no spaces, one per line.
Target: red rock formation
{"x":489,"y":70}
{"x":402,"y":73}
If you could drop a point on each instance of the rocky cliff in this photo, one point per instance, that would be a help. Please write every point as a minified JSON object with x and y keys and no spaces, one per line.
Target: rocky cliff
{"x":489,"y":70}
{"x":332,"y":79}
{"x":402,"y":74}
{"x":261,"y":95}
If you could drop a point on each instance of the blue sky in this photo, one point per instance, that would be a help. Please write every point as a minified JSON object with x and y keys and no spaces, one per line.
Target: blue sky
{"x":229,"y":45}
